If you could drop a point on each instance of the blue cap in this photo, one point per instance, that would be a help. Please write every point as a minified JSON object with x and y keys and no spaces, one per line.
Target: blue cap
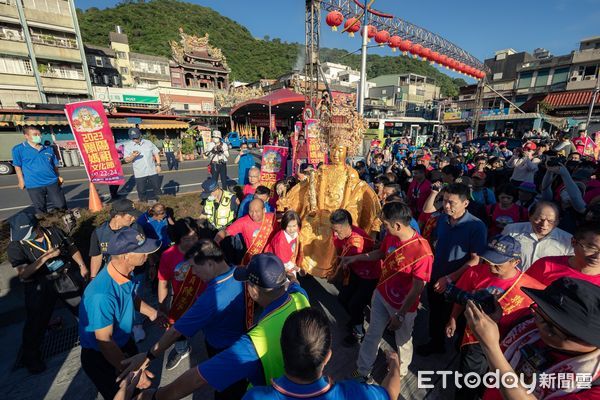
{"x":265,"y":270}
{"x":208,"y":186}
{"x":134,"y":133}
{"x":129,"y":240}
{"x":502,"y":248}
{"x":21,"y":225}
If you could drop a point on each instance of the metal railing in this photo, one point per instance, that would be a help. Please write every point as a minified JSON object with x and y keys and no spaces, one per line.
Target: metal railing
{"x":54,"y":41}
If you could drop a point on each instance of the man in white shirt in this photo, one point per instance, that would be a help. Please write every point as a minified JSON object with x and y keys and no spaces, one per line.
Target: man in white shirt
{"x":145,"y":158}
{"x":540,"y":237}
{"x":218,"y":153}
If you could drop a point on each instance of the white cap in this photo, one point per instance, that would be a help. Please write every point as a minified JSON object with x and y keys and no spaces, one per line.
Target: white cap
{"x":217,"y":134}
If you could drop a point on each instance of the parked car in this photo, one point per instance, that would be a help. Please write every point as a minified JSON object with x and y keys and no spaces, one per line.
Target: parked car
{"x":234,"y":140}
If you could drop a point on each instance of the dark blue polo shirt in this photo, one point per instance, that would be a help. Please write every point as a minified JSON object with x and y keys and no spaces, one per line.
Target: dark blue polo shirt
{"x":323,"y":389}
{"x":240,"y":361}
{"x":219,"y":312}
{"x":37,"y":165}
{"x":456,"y":243}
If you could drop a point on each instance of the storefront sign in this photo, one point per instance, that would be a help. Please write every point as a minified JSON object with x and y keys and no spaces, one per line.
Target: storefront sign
{"x":95,"y":141}
{"x":452,"y":115}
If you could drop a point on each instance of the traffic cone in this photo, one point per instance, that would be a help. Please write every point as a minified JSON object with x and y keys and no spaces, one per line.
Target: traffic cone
{"x":95,"y":204}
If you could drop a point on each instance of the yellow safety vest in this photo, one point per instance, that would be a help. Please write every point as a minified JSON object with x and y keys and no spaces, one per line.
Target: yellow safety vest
{"x":266,"y":335}
{"x":223,"y":215}
{"x":168,"y":146}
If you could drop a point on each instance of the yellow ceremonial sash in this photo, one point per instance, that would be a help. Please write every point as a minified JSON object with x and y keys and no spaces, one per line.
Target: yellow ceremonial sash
{"x":511,"y":300}
{"x":260,"y":241}
{"x":186,"y":297}
{"x":408,"y":254}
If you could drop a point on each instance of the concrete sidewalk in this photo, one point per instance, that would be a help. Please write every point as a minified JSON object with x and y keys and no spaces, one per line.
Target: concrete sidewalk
{"x":64,"y":378}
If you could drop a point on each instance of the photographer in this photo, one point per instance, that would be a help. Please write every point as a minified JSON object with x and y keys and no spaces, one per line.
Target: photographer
{"x":497,"y":277}
{"x":45,"y":260}
{"x":218,"y":153}
{"x":560,"y":334}
{"x":524,"y":164}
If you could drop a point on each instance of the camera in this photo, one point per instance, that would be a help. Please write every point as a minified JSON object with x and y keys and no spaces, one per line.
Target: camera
{"x":482,"y":298}
{"x":556,"y":161}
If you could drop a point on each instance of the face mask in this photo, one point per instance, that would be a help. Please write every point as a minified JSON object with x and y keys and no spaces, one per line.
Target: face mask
{"x":211,"y":198}
{"x":36,"y":139}
{"x":216,"y":140}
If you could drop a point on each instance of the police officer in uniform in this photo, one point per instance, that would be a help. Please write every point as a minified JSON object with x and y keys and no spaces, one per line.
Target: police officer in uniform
{"x":220,"y":206}
{"x":46,"y":261}
{"x":169,"y":150}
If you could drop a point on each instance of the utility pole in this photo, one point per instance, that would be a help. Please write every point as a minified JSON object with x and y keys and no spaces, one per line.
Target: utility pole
{"x":593,"y":103}
{"x":478,"y":107}
{"x":363,"y":62}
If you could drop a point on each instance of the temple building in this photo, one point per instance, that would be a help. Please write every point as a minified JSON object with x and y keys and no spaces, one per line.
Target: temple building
{"x":196,"y":64}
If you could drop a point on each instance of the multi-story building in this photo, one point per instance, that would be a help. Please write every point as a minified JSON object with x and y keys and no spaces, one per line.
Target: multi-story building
{"x":41,"y":53}
{"x":102,"y":64}
{"x":340,"y":74}
{"x":402,"y":95}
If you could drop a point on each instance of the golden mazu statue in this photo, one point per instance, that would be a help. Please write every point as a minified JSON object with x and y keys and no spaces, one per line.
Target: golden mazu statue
{"x":332,"y":186}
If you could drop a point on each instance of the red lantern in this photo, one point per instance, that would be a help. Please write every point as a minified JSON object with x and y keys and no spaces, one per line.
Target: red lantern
{"x":334,"y":19}
{"x":382,"y":37}
{"x":394,"y":42}
{"x":435,"y":57}
{"x":405,"y":46}
{"x":371,"y":31}
{"x":416,"y":49}
{"x":352,"y":25}
{"x":426,"y":53}
{"x":443,"y":60}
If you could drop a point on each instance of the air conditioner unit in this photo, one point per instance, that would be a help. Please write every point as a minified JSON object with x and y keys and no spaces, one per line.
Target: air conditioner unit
{"x":588,"y":78}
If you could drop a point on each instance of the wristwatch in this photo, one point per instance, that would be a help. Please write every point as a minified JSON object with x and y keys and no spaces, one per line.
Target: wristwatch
{"x":399,"y":316}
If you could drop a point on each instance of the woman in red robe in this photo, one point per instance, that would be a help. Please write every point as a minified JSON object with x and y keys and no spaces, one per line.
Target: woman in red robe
{"x":286,"y":245}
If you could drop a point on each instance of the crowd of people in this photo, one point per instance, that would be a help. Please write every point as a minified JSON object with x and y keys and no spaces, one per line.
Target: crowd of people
{"x":498,"y":248}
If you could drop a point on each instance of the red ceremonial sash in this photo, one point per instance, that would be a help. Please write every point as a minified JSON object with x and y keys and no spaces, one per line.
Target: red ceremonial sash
{"x":403,"y":257}
{"x":257,"y":247}
{"x":186,"y":296}
{"x":261,"y":239}
{"x":512,"y":300}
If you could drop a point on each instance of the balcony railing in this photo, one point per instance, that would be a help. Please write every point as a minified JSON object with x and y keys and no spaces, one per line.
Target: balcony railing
{"x":12,"y":35}
{"x":54,"y":41}
{"x":62,"y":73}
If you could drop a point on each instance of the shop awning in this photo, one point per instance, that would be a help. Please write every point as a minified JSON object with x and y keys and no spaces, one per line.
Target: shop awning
{"x":280,"y":96}
{"x":148,"y":123}
{"x":38,"y":120}
{"x":569,"y":99}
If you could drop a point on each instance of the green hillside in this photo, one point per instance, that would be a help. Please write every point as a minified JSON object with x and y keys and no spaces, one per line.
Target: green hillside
{"x":151,"y":24}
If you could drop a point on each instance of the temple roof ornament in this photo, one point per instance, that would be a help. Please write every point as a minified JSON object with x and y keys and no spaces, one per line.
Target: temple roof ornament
{"x":195,"y":46}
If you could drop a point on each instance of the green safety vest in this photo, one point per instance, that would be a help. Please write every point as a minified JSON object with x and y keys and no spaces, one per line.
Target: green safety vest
{"x":224,"y":215}
{"x":168,"y":146}
{"x":266,"y":335}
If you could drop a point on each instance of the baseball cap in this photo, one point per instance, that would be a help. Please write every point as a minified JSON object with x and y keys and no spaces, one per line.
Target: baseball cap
{"x":573,"y":305}
{"x":125,"y":206}
{"x":529,"y":146}
{"x":216,"y":134}
{"x":528,"y":187}
{"x":306,"y":167}
{"x":21,"y":225}
{"x":265,"y":270}
{"x":502,"y":248}
{"x":134,"y":133}
{"x":129,"y":240}
{"x":479,"y":175}
{"x":208,"y":186}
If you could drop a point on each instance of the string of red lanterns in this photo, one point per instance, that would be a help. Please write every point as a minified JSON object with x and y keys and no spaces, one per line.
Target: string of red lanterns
{"x":395,"y":42}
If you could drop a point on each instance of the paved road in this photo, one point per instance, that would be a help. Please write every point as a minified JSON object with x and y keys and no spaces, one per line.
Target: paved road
{"x":187,"y":179}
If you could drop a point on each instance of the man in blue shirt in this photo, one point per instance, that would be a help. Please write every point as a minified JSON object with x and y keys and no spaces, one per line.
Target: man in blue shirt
{"x":219,"y":313}
{"x":36,"y":167}
{"x":145,"y":158}
{"x":267,"y":285}
{"x":245,"y":161}
{"x":263,"y":193}
{"x":306,"y":348}
{"x":458,"y":237}
{"x":155,"y":223}
{"x":106,"y":312}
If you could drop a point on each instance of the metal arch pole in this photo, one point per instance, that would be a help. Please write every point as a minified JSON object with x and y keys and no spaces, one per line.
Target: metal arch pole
{"x":363,"y":62}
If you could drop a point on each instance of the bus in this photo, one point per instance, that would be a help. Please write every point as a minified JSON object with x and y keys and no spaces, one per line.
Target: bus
{"x":415,"y":128}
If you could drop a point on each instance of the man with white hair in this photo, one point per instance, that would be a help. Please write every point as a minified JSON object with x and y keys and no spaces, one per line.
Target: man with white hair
{"x":218,"y":153}
{"x":540,"y":236}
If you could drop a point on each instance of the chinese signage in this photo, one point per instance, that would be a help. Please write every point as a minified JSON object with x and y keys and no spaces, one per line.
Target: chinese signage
{"x":452,"y":115}
{"x":120,"y":95}
{"x":95,"y":142}
{"x":316,"y":155}
{"x":273,"y":165}
{"x":494,"y":111}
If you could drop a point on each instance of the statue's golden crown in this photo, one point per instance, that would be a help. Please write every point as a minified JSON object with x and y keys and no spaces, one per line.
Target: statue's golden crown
{"x":343,"y":126}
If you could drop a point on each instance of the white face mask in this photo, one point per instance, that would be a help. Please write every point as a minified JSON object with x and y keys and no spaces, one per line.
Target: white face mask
{"x":216,"y":140}
{"x":211,"y":198}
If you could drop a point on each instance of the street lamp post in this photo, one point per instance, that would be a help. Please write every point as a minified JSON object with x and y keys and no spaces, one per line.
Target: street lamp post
{"x":363,"y":62}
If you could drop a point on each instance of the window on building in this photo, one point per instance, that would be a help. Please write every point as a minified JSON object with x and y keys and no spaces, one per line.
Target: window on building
{"x":497,"y":76}
{"x":590,"y":71}
{"x":525,"y":80}
{"x":116,"y":80}
{"x":420,"y":92}
{"x":122,"y":55}
{"x":542,"y":77}
{"x":560,"y":75}
{"x":17,"y":66}
{"x":176,"y":75}
{"x":186,"y":107}
{"x":124,"y":70}
{"x":99,"y":62}
{"x":383,"y":91}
